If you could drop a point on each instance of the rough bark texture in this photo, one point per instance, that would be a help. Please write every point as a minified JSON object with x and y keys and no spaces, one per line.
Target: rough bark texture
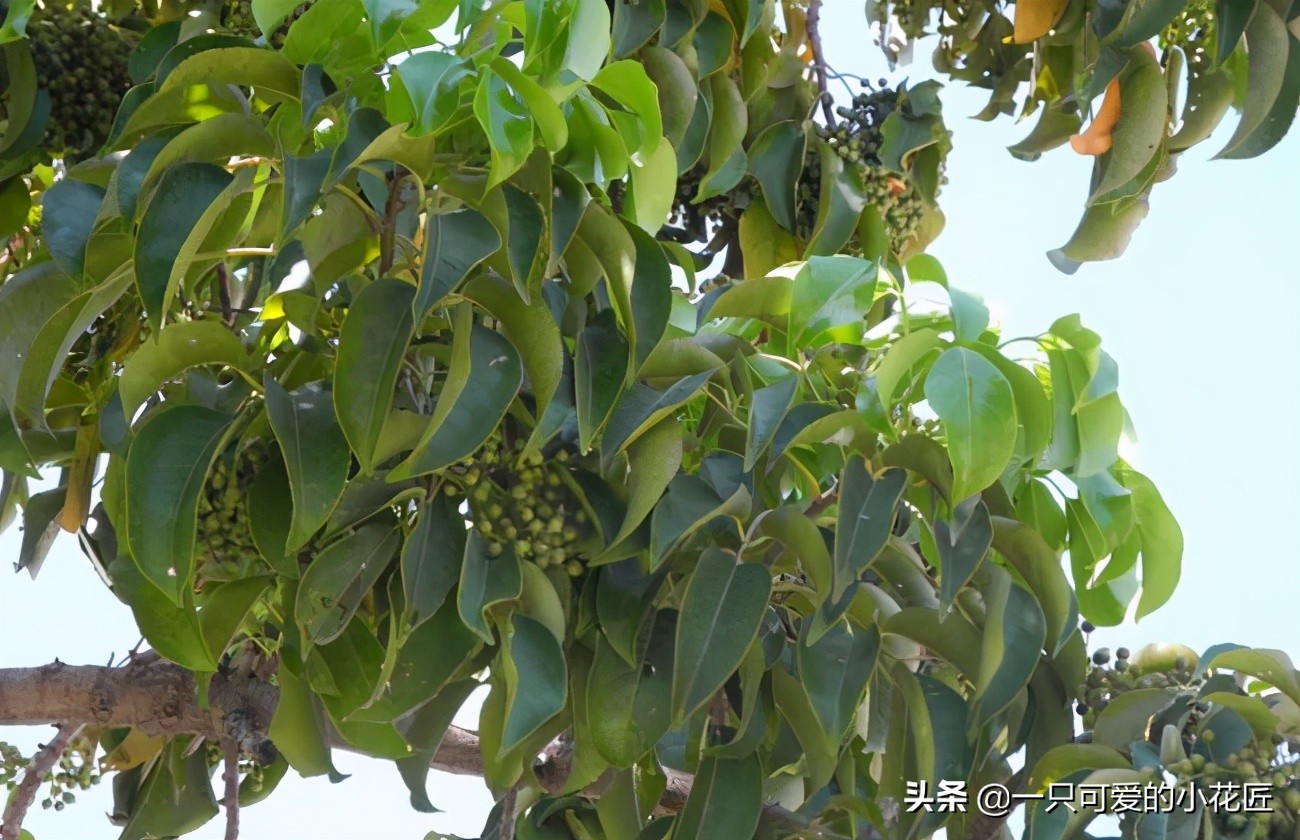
{"x":161,"y":698}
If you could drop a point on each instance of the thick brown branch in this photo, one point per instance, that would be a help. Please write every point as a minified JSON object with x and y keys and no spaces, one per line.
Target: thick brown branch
{"x":25,"y":795}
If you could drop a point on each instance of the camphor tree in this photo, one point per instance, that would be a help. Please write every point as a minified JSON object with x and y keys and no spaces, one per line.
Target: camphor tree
{"x":387,"y":349}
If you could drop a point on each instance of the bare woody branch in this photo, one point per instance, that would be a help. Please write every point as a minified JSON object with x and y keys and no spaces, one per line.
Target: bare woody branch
{"x":25,"y":794}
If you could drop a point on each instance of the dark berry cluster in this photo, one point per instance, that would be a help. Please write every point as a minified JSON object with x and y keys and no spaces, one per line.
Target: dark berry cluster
{"x":527,"y":504}
{"x":81,"y":62}
{"x":1106,"y":681}
{"x":225,"y":541}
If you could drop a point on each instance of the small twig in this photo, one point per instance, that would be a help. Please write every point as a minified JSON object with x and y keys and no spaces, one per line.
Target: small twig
{"x":231,"y":777}
{"x":393,"y":206}
{"x":25,"y":794}
{"x":819,"y":59}
{"x":223,"y":293}
{"x":507,"y":814}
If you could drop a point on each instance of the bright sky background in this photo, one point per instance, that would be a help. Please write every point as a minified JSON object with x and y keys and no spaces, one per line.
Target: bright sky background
{"x":1209,"y":380}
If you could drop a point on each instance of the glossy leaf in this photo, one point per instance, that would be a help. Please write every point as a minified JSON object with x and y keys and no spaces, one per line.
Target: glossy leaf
{"x":977,"y":407}
{"x":866,"y":517}
{"x":372,"y":341}
{"x":315,"y":453}
{"x":165,"y":471}
{"x":721,"y":610}
{"x":537,"y":680}
{"x":333,"y":586}
{"x":431,"y":558}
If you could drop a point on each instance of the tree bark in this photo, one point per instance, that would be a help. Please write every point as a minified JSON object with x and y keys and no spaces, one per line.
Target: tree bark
{"x":161,"y":698}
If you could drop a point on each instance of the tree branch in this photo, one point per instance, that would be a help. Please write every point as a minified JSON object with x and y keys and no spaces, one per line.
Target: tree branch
{"x":160,"y":698}
{"x":230,"y":752}
{"x":25,"y":795}
{"x":819,"y":59}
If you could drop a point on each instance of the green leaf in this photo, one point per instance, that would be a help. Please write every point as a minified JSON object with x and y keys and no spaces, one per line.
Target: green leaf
{"x":627,"y":84}
{"x":776,"y":160}
{"x":530,"y":328}
{"x":725,"y":800}
{"x":172,"y":630}
{"x":641,"y":407}
{"x":184,"y":194}
{"x":425,"y":730}
{"x":977,"y":407}
{"x":1061,"y":761}
{"x":428,"y":83}
{"x":177,"y":348}
{"x":835,"y":670}
{"x":962,"y":545}
{"x":1125,"y":718}
{"x":165,"y":471}
{"x":1040,"y":567}
{"x":1013,"y":639}
{"x":600,"y":369}
{"x":68,"y":212}
{"x":492,"y":379}
{"x":299,"y":728}
{"x":689,"y":503}
{"x":1272,"y":666}
{"x":829,"y":293}
{"x":536,"y":679}
{"x":653,"y":461}
{"x":507,"y":123}
{"x":270,"y":515}
{"x":372,"y":343}
{"x":315,"y":454}
{"x":653,"y":189}
{"x":1103,"y":234}
{"x":541,"y":107}
{"x":269,"y":14}
{"x":629,"y":707}
{"x":333,"y":586}
{"x":721,"y":610}
{"x":40,"y":527}
{"x":273,"y":76}
{"x":454,"y":244}
{"x":1137,"y":137}
{"x":866,"y":517}
{"x":1268,"y":43}
{"x":417,"y":671}
{"x":225,"y":606}
{"x":677,"y":90}
{"x":431,"y":558}
{"x":770,"y":404}
{"x":484,"y":582}
{"x":1162,"y":543}
{"x":589,"y":39}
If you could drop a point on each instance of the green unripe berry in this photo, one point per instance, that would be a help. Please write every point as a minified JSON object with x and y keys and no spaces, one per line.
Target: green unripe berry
{"x":574,"y":568}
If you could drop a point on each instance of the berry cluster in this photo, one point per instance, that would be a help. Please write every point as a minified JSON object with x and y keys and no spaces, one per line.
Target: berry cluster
{"x":81,"y":62}
{"x":527,"y":504}
{"x":1268,"y":764}
{"x":1105,"y":682}
{"x":1194,"y":29}
{"x":237,"y":19}
{"x":225,"y":541}
{"x":857,"y":141}
{"x":76,"y":770}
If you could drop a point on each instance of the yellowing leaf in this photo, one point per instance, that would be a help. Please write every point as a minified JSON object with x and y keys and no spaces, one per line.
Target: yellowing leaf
{"x":1035,"y":18}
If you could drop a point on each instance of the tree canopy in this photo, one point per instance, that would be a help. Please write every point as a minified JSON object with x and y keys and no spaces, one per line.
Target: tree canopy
{"x":389,"y":349}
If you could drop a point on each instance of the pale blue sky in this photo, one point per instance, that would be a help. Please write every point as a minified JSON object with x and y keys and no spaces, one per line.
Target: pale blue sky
{"x":1198,"y":315}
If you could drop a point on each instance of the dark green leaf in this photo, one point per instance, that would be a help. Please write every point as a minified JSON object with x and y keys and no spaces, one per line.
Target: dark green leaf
{"x":40,"y":527}
{"x":454,"y":244}
{"x":183,"y":195}
{"x":492,"y":379}
{"x":600,"y":369}
{"x":866,"y":516}
{"x":725,"y":800}
{"x":776,"y":159}
{"x":539,"y":686}
{"x":769,"y":407}
{"x":333,"y":586}
{"x":372,"y":342}
{"x":484,"y":582}
{"x":629,"y":707}
{"x":962,"y":544}
{"x":315,"y":455}
{"x":68,"y":211}
{"x":431,"y":558}
{"x":721,"y":610}
{"x":1013,"y":640}
{"x":835,"y":670}
{"x":165,"y":471}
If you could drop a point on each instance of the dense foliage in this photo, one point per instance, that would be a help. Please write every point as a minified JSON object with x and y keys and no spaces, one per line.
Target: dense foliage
{"x":416,"y":345}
